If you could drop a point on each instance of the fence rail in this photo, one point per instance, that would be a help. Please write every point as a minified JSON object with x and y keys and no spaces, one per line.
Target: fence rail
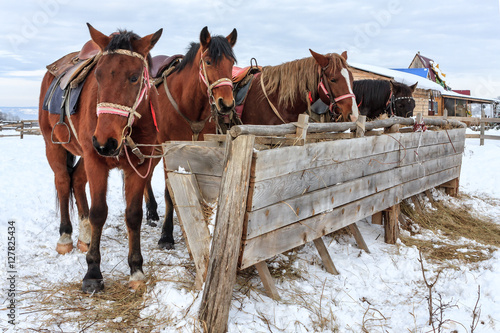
{"x":476,"y":121}
{"x":21,"y":128}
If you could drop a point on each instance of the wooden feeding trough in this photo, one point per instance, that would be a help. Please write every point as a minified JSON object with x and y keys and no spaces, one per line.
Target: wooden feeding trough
{"x":278,"y":187}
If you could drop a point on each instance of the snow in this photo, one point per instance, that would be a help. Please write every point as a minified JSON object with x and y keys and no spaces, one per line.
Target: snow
{"x":382,"y":291}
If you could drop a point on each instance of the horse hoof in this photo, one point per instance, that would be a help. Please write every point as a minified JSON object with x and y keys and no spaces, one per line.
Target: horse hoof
{"x":151,"y":223}
{"x":92,"y":286}
{"x":82,"y":246}
{"x":137,"y":284}
{"x":64,"y":248}
{"x":166,"y":245}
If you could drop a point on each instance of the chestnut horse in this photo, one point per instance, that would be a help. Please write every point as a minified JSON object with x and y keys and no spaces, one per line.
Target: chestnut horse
{"x":113,"y":113}
{"x":200,"y":90}
{"x":281,"y":92}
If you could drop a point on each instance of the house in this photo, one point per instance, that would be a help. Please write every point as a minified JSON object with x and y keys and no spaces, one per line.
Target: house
{"x":431,"y":98}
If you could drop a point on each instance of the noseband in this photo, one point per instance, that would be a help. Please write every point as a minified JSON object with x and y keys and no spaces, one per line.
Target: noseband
{"x":392,"y":102}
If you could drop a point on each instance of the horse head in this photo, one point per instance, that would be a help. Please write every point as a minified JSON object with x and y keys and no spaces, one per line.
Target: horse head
{"x":122,"y":75}
{"x":402,"y":99}
{"x":216,"y":60}
{"x":336,"y":84}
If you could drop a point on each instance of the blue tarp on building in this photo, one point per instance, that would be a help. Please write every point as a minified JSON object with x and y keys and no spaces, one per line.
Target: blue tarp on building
{"x":415,"y":71}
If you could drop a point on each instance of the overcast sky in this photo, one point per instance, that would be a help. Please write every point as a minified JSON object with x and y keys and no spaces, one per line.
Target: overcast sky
{"x":462,"y":36}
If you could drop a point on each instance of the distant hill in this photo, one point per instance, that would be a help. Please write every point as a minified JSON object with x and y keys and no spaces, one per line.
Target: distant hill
{"x":18,"y":113}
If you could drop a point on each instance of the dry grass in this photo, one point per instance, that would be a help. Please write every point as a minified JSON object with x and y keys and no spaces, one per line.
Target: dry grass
{"x":453,"y":223}
{"x":117,"y":309}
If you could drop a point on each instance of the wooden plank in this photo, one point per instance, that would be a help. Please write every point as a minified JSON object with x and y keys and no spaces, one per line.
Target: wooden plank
{"x":209,"y":187}
{"x":273,"y":163}
{"x":225,"y":249}
{"x":268,"y":218}
{"x":325,"y":256}
{"x":353,"y":228}
{"x":267,"y":280}
{"x":186,"y":198}
{"x":270,"y":191}
{"x":194,"y":158}
{"x":286,"y":238}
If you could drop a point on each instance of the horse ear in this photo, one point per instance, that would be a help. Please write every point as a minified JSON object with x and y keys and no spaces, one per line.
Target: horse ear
{"x":413,"y":87}
{"x":98,"y":37}
{"x":231,"y":38}
{"x":322,"y":60}
{"x":344,"y":55}
{"x":146,"y":43}
{"x":205,"y":38}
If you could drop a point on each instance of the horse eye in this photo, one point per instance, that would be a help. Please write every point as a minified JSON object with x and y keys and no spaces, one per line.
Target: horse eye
{"x":332,"y":80}
{"x":134,"y":78}
{"x":208,"y":62}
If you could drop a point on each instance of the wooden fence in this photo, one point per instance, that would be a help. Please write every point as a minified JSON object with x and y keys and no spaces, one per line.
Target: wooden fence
{"x":22,"y":127}
{"x":308,"y":185}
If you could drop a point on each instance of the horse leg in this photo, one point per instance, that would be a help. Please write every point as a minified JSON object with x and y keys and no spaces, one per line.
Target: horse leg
{"x":79,"y":181}
{"x":133,"y":218}
{"x":58,"y":159}
{"x":167,"y":238}
{"x":151,"y":205}
{"x":92,"y":281}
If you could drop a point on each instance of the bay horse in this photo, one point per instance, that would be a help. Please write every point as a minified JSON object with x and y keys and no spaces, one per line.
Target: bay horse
{"x":282,"y":92}
{"x":377,"y":97}
{"x":114,"y":112}
{"x":191,"y":97}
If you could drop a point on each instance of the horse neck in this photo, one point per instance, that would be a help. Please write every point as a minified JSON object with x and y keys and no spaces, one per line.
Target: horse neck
{"x":189,"y":93}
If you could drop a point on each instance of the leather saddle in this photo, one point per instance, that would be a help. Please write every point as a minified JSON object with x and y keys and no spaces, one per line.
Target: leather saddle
{"x":242,"y":81}
{"x":161,"y":63}
{"x":75,"y":66}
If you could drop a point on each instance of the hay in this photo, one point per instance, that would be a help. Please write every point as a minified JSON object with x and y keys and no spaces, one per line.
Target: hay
{"x":480,"y":236}
{"x":117,"y":309}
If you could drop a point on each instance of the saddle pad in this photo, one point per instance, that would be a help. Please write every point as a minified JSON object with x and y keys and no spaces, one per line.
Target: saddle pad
{"x":55,"y":97}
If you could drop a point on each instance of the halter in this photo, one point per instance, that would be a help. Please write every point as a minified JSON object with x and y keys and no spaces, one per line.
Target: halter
{"x":219,"y":83}
{"x":327,"y":91}
{"x":130,"y":112}
{"x":392,"y":100}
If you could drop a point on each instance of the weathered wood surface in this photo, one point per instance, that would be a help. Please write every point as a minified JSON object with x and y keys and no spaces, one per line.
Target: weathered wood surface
{"x":267,"y":280}
{"x":283,"y":213}
{"x":203,"y":160}
{"x":225,"y":249}
{"x":297,"y":183}
{"x":187,"y":204}
{"x":301,"y":232}
{"x":284,"y":129}
{"x":274,"y":163}
{"x":325,"y":256}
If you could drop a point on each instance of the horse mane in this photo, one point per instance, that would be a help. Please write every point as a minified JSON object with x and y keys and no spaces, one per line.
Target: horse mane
{"x":123,"y":40}
{"x":218,"y":48}
{"x":372,"y":92}
{"x":296,"y":77}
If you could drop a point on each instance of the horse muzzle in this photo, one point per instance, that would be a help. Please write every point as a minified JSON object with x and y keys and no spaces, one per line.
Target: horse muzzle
{"x":223,"y":108}
{"x":110,"y":149}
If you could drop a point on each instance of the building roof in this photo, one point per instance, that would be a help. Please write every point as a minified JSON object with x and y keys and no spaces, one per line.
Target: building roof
{"x":423,"y":83}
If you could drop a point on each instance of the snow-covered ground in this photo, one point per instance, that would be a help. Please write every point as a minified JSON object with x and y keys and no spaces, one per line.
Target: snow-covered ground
{"x":378,"y":292}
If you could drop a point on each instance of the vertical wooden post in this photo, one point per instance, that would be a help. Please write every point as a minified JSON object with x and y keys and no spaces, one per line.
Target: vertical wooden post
{"x":483,"y":125}
{"x":392,"y":224}
{"x":225,"y":250}
{"x":302,"y":125}
{"x":377,"y":218}
{"x":22,"y":129}
{"x":360,"y":126}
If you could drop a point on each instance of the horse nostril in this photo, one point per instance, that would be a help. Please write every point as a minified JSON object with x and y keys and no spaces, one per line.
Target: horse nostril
{"x":108,"y":149}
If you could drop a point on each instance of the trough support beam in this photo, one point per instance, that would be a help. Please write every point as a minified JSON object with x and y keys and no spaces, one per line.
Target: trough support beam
{"x":392,"y":224}
{"x":377,"y":218}
{"x":267,"y":280}
{"x":325,"y":256}
{"x":225,"y":250}
{"x":451,"y":187}
{"x":353,"y":228}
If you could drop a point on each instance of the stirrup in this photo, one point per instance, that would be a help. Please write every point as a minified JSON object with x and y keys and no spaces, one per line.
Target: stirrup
{"x":52,"y":133}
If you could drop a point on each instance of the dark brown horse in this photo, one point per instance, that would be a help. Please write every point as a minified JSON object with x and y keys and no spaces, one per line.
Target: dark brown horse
{"x":286,"y":88}
{"x":114,"y":112}
{"x":377,"y":97}
{"x":200,"y":90}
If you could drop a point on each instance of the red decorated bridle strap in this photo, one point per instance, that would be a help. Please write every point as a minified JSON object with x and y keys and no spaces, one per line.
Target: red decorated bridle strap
{"x":210,"y":86}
